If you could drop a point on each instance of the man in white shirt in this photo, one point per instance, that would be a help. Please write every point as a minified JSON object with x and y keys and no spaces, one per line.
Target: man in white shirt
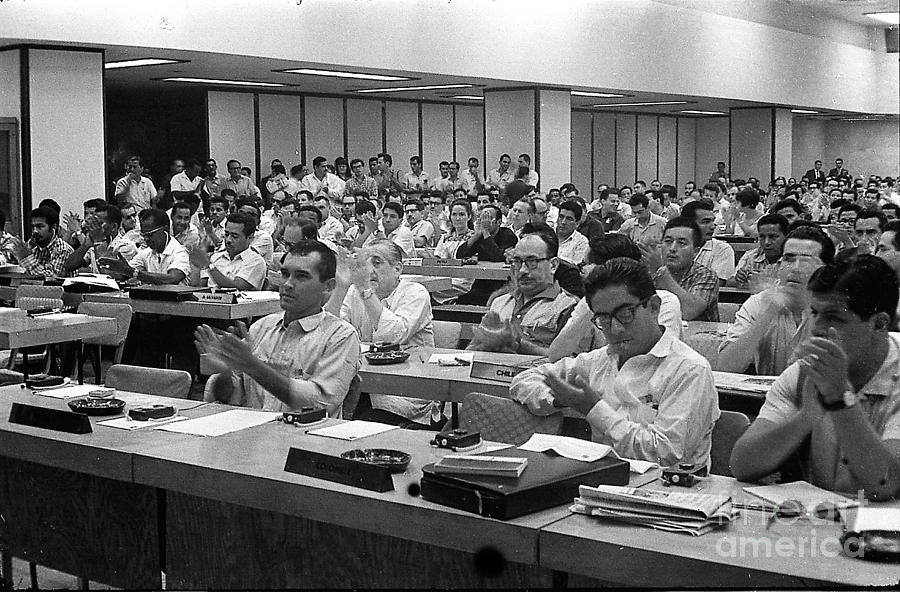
{"x":416,"y":181}
{"x":236,"y":265}
{"x":530,"y":177}
{"x":241,"y":184}
{"x":573,"y":246}
{"x":134,"y":187}
{"x":391,"y":221}
{"x":162,"y":261}
{"x":330,"y":228}
{"x":452,"y":182}
{"x":188,"y":180}
{"x":421,"y":229}
{"x":713,"y":253}
{"x":646,"y":394}
{"x":645,"y":228}
{"x":213,"y":182}
{"x":501,"y":176}
{"x":321,"y":182}
{"x":472,"y":179}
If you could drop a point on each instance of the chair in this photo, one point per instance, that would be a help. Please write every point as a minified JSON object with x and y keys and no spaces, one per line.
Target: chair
{"x":505,"y":420}
{"x":33,"y":291}
{"x":152,"y":381}
{"x":729,"y":427}
{"x":728,"y":311}
{"x":351,"y":401}
{"x":446,"y":334}
{"x":29,"y":297}
{"x":123,"y":314}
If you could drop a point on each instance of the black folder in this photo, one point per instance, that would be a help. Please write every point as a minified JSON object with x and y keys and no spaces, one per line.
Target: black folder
{"x":549,"y":480}
{"x":167,"y":293}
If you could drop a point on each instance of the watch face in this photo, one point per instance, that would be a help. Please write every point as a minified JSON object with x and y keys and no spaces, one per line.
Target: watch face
{"x":849,"y":399}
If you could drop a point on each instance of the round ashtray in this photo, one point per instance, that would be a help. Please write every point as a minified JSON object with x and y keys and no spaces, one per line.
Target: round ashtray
{"x":95,"y":406}
{"x":384,"y":358}
{"x":395,"y":460}
{"x":384,"y":346}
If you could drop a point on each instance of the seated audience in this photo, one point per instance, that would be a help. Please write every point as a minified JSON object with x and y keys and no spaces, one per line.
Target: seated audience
{"x":712,"y":253}
{"x":573,"y":246}
{"x":162,"y":261}
{"x":868,"y":226}
{"x":330,"y":228}
{"x":449,"y":245}
{"x":771,"y":231}
{"x":422,"y":230}
{"x":105,"y":239}
{"x":489,"y":242}
{"x":236,"y":265}
{"x":646,"y":394}
{"x":45,"y":253}
{"x":836,"y":407}
{"x":262,"y":242}
{"x":606,"y":210}
{"x":769,"y":325}
{"x":646,"y":227}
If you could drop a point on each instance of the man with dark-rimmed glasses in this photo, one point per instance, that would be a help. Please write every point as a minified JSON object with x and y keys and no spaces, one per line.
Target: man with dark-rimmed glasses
{"x":162,"y":261}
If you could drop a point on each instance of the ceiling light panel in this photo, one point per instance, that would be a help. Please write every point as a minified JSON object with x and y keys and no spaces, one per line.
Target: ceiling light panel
{"x":648,"y":104}
{"x":597,"y":95}
{"x":340,"y":74}
{"x":890,"y":18}
{"x":140,"y":62}
{"x":804,"y":112}
{"x":224,"y":82}
{"x":698,"y":112}
{"x":413,"y":88}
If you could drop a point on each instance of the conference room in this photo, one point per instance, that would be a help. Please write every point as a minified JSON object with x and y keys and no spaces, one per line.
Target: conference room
{"x":547,"y":263}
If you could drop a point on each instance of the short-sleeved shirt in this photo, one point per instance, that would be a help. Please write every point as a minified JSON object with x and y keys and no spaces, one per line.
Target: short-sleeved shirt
{"x":403,"y":238}
{"x":140,"y":193}
{"x":247,"y":265}
{"x":174,"y":256}
{"x":879,"y":401}
{"x":500,"y":180}
{"x":755,"y":260}
{"x":49,"y":261}
{"x":700,"y":281}
{"x":243,"y":186}
{"x":181,"y":182}
{"x":331,"y":229}
{"x":574,"y":248}
{"x":420,"y":182}
{"x":541,"y":317}
{"x":319,"y":353}
{"x":368,"y":185}
{"x":651,"y":234}
{"x":718,"y":256}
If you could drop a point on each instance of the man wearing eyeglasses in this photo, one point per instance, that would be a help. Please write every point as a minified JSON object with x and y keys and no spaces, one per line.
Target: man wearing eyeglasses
{"x":162,"y":261}
{"x":646,"y":394}
{"x":527,"y":318}
{"x":421,"y":229}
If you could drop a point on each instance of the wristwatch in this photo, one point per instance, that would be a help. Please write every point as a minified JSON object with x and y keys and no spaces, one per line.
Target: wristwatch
{"x":847,"y":400}
{"x":367,"y":293}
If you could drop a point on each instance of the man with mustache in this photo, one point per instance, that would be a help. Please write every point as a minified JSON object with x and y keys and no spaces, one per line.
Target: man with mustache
{"x":45,"y":253}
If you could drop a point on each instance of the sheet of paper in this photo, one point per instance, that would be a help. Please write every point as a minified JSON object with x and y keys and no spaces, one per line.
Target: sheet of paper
{"x":868,"y":518}
{"x":640,"y":466}
{"x":260,"y":296}
{"x":221,"y":423}
{"x":61,"y":316}
{"x":126,"y":423}
{"x":352,"y":430}
{"x":807,"y":494}
{"x":451,"y":358}
{"x":574,"y":448}
{"x":94,"y":280}
{"x":67,"y":392}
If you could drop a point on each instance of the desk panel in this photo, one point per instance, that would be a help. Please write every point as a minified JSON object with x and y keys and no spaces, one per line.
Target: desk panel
{"x":198,"y":310}
{"x":484,"y":270}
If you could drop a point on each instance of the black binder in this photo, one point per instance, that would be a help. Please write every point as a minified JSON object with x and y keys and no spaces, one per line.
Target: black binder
{"x":549,"y":480}
{"x":166,"y":293}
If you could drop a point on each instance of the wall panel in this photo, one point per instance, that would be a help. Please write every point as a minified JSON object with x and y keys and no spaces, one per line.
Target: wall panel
{"x":470,"y":137}
{"x":712,"y":147}
{"x":509,"y":117}
{"x":604,"y":149}
{"x":324,"y":128}
{"x":687,"y":150}
{"x":402,"y":123}
{"x":279,"y":131}
{"x":808,"y":139}
{"x":626,"y":149}
{"x":231,"y":133}
{"x":751,"y":144}
{"x":555,"y":164}
{"x":437,"y":137}
{"x":646,"y":147}
{"x":581,"y":154}
{"x":364,"y":123}
{"x":667,"y":143}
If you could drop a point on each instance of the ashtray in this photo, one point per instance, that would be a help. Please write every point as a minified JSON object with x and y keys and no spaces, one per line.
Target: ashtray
{"x":384,"y":358}
{"x":395,"y":460}
{"x":94,"y":406}
{"x":384,"y":346}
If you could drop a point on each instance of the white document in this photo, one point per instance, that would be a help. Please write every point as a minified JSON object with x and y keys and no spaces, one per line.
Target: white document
{"x":67,"y":392}
{"x":869,"y":519}
{"x":574,"y":448}
{"x":640,"y":466}
{"x":260,"y":296}
{"x":807,"y":494}
{"x":61,"y":316}
{"x":126,"y":423}
{"x":221,"y":423}
{"x":352,"y":430}
{"x":452,"y":359}
{"x":94,"y":279}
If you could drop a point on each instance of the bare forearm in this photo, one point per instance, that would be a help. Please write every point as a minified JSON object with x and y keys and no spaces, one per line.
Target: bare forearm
{"x":765,"y":446}
{"x":740,"y":353}
{"x":874,"y":462}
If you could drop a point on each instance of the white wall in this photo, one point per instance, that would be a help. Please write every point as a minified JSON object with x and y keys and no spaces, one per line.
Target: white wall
{"x":279,"y":132}
{"x":67,"y":142}
{"x":231,"y":133}
{"x":867,"y":147}
{"x":555,"y":166}
{"x":470,"y":136}
{"x":711,"y":147}
{"x":581,"y":153}
{"x":509,"y":124}
{"x":751,"y":144}
{"x":808,"y":145}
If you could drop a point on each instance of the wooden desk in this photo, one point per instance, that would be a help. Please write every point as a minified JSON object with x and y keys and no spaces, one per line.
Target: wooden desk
{"x":54,"y":328}
{"x":483,"y":270}
{"x":431,"y":283}
{"x":199,"y":310}
{"x":732,"y":557}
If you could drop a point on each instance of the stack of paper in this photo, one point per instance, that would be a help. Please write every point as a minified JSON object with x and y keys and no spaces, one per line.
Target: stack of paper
{"x":674,"y":511}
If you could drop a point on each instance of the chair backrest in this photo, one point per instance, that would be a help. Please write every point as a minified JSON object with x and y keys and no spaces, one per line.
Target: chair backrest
{"x":729,"y":427}
{"x":728,"y":311}
{"x":152,"y":381}
{"x":505,"y":420}
{"x":123,"y":314}
{"x":446,"y":333}
{"x":32,"y":302}
{"x":705,"y":344}
{"x":32,"y":291}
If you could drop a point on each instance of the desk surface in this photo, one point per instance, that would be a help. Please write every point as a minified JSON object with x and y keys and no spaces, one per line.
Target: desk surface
{"x":263,"y":304}
{"x":53,"y":328}
{"x":483,"y":270}
{"x":431,"y":283}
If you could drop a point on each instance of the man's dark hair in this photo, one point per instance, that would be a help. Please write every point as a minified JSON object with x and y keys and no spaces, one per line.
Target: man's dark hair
{"x":686,"y":222}
{"x":574,"y":207}
{"x":373,"y":159}
{"x":526,"y":157}
{"x":296,"y":169}
{"x":774,"y":220}
{"x":838,"y":203}
{"x":604,"y":195}
{"x":813,"y":233}
{"x":218,"y":199}
{"x":363,"y":206}
{"x":52,"y":204}
{"x":181,"y":205}
{"x":868,"y":283}
{"x":288,"y":201}
{"x":891,"y":206}
{"x":498,"y":215}
{"x":865,"y":214}
{"x":356,"y":160}
{"x":309,"y":228}
{"x":93,"y":203}
{"x":894,"y":226}
{"x":319,"y":161}
{"x":310,"y":208}
{"x":612,"y":246}
{"x":787,"y":203}
{"x":420,"y":205}
{"x":850,"y":207}
{"x":387,"y":158}
{"x":113,"y":213}
{"x":227,"y":191}
{"x":327,"y":265}
{"x":670,"y":190}
{"x":139,"y":160}
{"x":711,"y":187}
{"x":278,"y":168}
{"x":516,"y":190}
{"x":748,"y":198}
{"x":157,"y":216}
{"x":393,"y":206}
{"x":621,"y":271}
{"x":248,"y":222}
{"x":690,"y":209}
{"x":547,"y":234}
{"x":50,"y":216}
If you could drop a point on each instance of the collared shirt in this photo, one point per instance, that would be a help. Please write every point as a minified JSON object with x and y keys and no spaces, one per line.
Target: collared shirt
{"x":449,"y":185}
{"x":406,"y":319}
{"x":49,"y":261}
{"x":174,"y":256}
{"x":755,"y":260}
{"x":403,"y":238}
{"x":498,"y":179}
{"x":214,"y":185}
{"x":651,"y":234}
{"x":879,"y":402}
{"x":319,"y":353}
{"x":243,"y":186}
{"x":541,"y":317}
{"x":6,"y":252}
{"x":247,"y":265}
{"x":469,"y":182}
{"x":420,"y":182}
{"x":574,"y":248}
{"x":331,"y":229}
{"x":140,"y":193}
{"x":446,"y":248}
{"x":367,"y":184}
{"x":660,"y":406}
{"x":387,"y":180}
{"x":776,"y":348}
{"x":181,"y":182}
{"x":189,"y":237}
{"x":330,"y":184}
{"x":700,"y":281}
{"x":423,"y":228}
{"x":532,"y":178}
{"x":284,"y":185}
{"x":263,"y":244}
{"x":718,"y":256}
{"x":121,"y":244}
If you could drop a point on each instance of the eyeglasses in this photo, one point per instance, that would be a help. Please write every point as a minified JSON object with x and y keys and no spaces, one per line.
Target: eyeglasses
{"x":149,"y":233}
{"x":412,"y":211}
{"x":624,"y":314}
{"x":530,"y":262}
{"x":795,"y":509}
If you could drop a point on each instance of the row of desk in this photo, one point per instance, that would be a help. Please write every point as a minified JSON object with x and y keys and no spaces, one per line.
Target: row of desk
{"x":120,"y":507}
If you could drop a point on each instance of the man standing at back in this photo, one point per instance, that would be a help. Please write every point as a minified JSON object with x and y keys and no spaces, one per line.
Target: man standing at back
{"x":815,"y":174}
{"x":417,"y":181}
{"x":501,"y":176}
{"x":387,"y":178}
{"x":237,"y":182}
{"x":134,"y":188}
{"x":528,"y":176}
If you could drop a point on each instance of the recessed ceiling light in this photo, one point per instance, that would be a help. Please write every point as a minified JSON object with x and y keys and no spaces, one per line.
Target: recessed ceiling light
{"x":598,"y":95}
{"x":891,"y":18}
{"x":339,"y":74}
{"x":804,"y":112}
{"x":413,"y":88}
{"x":226,"y":82}
{"x":643,"y":104}
{"x":467,"y":97}
{"x":139,"y":63}
{"x":696,"y":112}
